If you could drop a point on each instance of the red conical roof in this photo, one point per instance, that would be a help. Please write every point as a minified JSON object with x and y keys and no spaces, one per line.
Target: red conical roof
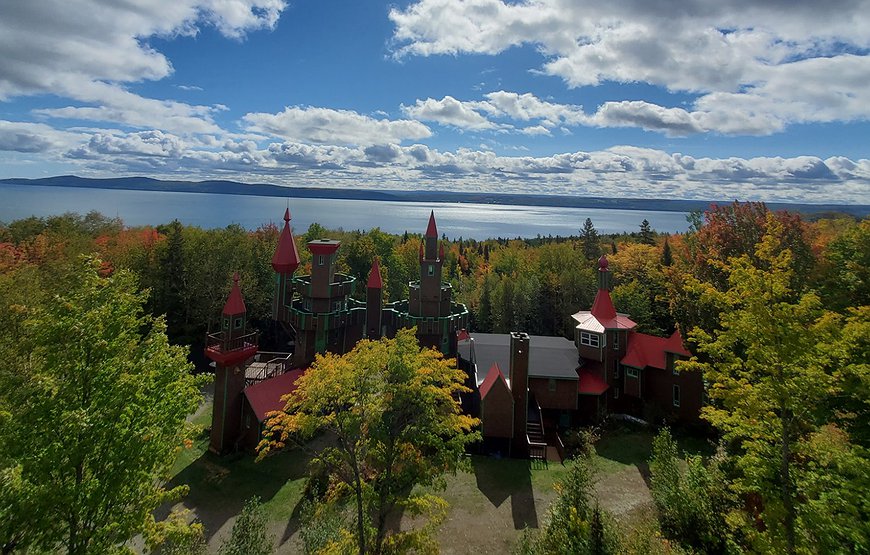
{"x":603,"y":308}
{"x":431,"y":230}
{"x":286,"y":257}
{"x":375,"y":281}
{"x":235,"y":303}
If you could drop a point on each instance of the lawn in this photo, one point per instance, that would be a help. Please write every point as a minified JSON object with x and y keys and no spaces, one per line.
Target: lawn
{"x":491,"y":502}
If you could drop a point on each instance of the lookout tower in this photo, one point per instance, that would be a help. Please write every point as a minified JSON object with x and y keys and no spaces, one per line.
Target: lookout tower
{"x":229,"y":348}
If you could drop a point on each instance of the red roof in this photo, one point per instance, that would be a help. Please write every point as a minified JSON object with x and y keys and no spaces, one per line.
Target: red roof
{"x":648,"y":350}
{"x":265,"y":396}
{"x":431,"y":230}
{"x":591,"y":382}
{"x":286,"y":257}
{"x":602,"y":308}
{"x":235,"y":303}
{"x":323,"y":246}
{"x":462,"y":335}
{"x":375,"y":281}
{"x":494,"y":375}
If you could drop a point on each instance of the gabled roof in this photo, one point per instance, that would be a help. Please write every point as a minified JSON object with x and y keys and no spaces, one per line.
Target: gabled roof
{"x":493,"y":377}
{"x":286,"y":257}
{"x":645,"y":350}
{"x":375,"y":281}
{"x":235,"y":303}
{"x":265,"y":396}
{"x":431,"y":229}
{"x":549,"y":357}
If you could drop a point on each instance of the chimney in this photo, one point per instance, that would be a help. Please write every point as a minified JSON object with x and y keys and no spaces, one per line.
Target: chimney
{"x":519,"y":375}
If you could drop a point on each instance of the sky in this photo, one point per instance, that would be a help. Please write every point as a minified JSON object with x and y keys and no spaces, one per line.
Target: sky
{"x":691,"y":99}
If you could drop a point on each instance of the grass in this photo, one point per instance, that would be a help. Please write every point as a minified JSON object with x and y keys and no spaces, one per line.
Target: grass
{"x":491,"y":501}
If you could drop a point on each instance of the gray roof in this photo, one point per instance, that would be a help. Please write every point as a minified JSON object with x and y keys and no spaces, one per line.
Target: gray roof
{"x":549,"y":357}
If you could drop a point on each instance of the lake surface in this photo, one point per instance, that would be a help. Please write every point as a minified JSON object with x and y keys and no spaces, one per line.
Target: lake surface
{"x":211,"y":210}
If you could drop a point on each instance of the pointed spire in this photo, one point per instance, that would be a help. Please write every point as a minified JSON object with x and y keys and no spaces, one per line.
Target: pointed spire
{"x":432,"y":230}
{"x":235,"y":304}
{"x":286,"y":257}
{"x":375,"y":281}
{"x":603,"y":263}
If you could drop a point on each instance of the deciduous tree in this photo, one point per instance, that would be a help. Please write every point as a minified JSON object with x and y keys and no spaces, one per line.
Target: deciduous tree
{"x":392,"y":409}
{"x":97,"y":401}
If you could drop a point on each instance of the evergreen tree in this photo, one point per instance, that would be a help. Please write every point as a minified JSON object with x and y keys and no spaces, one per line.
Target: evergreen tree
{"x":591,"y":242}
{"x":667,"y":256}
{"x":646,"y":233}
{"x":249,"y":535}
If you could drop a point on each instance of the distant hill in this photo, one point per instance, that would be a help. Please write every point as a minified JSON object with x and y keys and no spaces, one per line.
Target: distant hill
{"x":266,"y":190}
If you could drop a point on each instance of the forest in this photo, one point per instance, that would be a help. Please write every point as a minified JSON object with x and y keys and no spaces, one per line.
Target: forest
{"x":775,"y":308}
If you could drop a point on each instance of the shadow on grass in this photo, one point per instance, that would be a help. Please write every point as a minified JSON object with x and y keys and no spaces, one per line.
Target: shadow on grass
{"x":500,"y":479}
{"x":219,"y":487}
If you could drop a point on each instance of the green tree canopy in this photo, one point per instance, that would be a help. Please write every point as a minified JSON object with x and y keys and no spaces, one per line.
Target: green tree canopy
{"x":393,"y":411}
{"x":97,"y":404}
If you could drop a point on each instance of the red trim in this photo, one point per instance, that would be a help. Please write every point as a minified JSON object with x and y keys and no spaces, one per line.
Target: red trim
{"x":431,"y":229}
{"x":323,"y":248}
{"x":235,"y":304}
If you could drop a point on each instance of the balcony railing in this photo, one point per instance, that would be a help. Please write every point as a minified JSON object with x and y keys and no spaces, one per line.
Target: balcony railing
{"x":219,"y":342}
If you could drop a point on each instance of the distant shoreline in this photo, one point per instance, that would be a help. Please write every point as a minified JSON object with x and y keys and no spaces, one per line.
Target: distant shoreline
{"x":267,"y":190}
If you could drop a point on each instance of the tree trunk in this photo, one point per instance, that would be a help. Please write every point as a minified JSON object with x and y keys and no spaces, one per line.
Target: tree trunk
{"x":785,"y":477}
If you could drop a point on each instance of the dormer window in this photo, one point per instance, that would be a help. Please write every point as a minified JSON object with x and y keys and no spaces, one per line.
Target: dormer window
{"x":590,"y":339}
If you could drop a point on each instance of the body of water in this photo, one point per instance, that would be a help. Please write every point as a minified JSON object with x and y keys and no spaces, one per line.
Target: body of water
{"x":210,"y":210}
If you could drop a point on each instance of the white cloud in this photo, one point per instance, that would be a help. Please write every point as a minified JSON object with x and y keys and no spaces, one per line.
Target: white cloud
{"x":324,"y":125}
{"x":16,"y":136}
{"x":764,"y":64}
{"x":620,"y":171}
{"x":86,"y":50}
{"x":449,"y":111}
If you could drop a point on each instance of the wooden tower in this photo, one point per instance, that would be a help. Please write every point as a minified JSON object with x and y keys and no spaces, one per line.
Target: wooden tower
{"x":229,"y":348}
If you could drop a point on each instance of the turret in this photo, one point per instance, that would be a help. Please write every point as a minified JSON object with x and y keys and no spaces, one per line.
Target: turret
{"x":284,"y":262}
{"x":374,"y":301}
{"x":229,"y":348}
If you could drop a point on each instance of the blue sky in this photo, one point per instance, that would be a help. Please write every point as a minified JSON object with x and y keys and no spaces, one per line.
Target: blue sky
{"x":728,"y":99}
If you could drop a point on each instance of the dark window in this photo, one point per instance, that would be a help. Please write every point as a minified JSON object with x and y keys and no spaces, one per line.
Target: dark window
{"x":616,"y":392}
{"x":431,"y":269}
{"x":238,"y":323}
{"x":320,"y":260}
{"x":676,"y":396}
{"x":630,"y":372}
{"x":226,"y":323}
{"x":551,"y":385}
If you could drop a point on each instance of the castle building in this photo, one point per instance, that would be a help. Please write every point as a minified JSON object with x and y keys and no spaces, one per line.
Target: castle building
{"x":550,"y":383}
{"x":524,"y":388}
{"x":321,"y":315}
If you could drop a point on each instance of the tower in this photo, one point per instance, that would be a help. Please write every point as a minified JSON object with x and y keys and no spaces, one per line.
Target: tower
{"x":430,"y":306}
{"x":284,"y":262}
{"x":374,"y":301}
{"x":229,"y":349}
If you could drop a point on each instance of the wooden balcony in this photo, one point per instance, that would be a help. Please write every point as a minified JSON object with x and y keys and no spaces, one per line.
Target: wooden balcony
{"x":228,"y":351}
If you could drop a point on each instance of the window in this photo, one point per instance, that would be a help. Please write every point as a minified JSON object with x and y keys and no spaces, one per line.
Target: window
{"x":320,"y":260}
{"x":551,"y":385}
{"x":615,"y":369}
{"x":590,"y":339}
{"x":238,"y":323}
{"x":431,"y":269}
{"x":630,"y":372}
{"x":226,"y":323}
{"x":616,"y":341}
{"x":336,"y":305}
{"x":676,"y":396}
{"x":616,"y":393}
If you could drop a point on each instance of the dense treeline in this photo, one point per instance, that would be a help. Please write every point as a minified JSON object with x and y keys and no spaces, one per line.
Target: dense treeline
{"x":775,"y":310}
{"x":508,"y":284}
